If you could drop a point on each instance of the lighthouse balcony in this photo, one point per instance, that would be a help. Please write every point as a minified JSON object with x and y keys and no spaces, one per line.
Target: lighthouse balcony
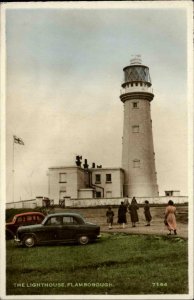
{"x":138,"y":88}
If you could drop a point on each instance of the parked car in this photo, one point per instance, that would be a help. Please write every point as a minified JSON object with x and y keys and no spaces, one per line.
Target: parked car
{"x":58,"y":228}
{"x":28,"y":218}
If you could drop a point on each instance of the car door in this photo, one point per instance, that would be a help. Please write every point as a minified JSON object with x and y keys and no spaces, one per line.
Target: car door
{"x":67,"y":232}
{"x":49,"y":231}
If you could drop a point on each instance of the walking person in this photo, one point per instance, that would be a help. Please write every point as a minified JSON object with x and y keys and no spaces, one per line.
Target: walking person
{"x":133,"y":207}
{"x":147,"y":213}
{"x":110,"y":215}
{"x":170,"y":218}
{"x":122,"y":215}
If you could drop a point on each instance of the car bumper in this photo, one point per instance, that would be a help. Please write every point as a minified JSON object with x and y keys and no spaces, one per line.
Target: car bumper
{"x":17,"y":241}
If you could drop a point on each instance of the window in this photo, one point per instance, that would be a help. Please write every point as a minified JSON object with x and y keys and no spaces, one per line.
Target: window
{"x":136,"y":163}
{"x":135,"y":104}
{"x":69,"y":220}
{"x":98,"y":178}
{"x":135,"y":128}
{"x":54,"y":221}
{"x":62,"y":177}
{"x":59,"y":220}
{"x":19,"y":220}
{"x":168,"y":193}
{"x":29,"y":218}
{"x":98,"y":194}
{"x":108,"y":178}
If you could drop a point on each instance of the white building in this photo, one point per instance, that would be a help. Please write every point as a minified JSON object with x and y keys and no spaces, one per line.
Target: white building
{"x":76,"y":182}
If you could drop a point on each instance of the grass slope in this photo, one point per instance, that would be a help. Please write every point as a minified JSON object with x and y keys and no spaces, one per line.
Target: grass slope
{"x":118,"y":264}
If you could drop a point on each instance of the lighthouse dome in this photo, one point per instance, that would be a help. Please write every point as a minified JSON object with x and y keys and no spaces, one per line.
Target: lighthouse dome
{"x":136,"y":73}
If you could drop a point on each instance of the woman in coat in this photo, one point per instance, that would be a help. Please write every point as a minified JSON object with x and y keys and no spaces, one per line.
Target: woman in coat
{"x":133,"y":207}
{"x":122,"y":214}
{"x":170,"y":217}
{"x":147,"y":213}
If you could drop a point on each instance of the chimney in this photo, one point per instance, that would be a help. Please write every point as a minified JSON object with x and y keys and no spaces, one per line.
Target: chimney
{"x":78,"y":160}
{"x":85,"y":164}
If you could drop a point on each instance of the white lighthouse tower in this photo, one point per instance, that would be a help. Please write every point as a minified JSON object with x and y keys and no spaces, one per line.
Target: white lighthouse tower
{"x":138,"y":157}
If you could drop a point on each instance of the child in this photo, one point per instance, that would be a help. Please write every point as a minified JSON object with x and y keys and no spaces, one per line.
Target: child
{"x":110,"y":215}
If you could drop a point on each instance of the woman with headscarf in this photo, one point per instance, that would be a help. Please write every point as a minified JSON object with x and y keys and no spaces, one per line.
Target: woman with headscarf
{"x":133,"y":207}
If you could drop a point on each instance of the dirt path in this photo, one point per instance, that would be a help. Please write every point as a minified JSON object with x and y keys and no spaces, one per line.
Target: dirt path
{"x":98,"y":216}
{"x":155,"y":228}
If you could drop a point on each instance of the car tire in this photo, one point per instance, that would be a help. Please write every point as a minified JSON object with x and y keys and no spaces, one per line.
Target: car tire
{"x":29,"y":241}
{"x":83,"y":240}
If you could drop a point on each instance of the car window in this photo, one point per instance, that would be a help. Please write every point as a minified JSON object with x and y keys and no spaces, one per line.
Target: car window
{"x":19,"y":220}
{"x":54,"y":221}
{"x":29,"y":218}
{"x":69,"y":220}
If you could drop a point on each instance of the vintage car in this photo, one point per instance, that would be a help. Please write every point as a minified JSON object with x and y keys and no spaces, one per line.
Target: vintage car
{"x":58,"y":228}
{"x":28,"y":218}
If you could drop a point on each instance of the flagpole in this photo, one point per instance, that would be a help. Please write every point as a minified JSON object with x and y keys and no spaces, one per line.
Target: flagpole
{"x":20,"y":142}
{"x":13,"y":170}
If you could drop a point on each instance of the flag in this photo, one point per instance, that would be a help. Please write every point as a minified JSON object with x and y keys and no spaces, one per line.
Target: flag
{"x":17,"y":140}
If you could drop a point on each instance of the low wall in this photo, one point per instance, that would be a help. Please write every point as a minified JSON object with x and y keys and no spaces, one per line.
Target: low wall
{"x":22,"y":204}
{"x":99,"y":202}
{"x":116,"y":201}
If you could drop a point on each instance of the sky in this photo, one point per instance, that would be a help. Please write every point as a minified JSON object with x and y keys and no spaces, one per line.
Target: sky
{"x":64,"y":69}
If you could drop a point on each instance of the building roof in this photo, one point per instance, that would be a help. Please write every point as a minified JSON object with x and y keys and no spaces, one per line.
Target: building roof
{"x":112,"y":168}
{"x":65,"y":167}
{"x":76,"y":167}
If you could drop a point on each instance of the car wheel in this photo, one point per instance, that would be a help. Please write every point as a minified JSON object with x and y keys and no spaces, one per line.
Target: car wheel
{"x":29,"y":241}
{"x":83,"y":240}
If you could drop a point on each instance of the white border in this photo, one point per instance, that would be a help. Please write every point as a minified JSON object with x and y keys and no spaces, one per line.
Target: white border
{"x":191,"y":144}
{"x":99,"y":5}
{"x":2,"y":153}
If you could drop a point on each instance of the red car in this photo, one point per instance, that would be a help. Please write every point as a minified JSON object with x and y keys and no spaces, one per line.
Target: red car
{"x":23,"y":219}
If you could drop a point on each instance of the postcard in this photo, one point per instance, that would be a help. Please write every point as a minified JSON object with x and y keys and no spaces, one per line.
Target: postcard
{"x":97,"y":150}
